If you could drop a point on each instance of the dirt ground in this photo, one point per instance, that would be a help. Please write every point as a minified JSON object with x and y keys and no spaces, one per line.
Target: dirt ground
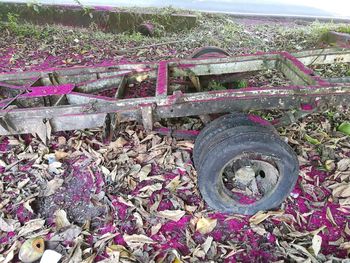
{"x":135,"y":199}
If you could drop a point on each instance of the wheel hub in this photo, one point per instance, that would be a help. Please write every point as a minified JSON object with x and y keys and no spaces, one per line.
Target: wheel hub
{"x":250,"y":176}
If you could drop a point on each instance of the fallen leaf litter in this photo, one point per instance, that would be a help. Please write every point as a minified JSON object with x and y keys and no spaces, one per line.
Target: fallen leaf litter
{"x":135,"y":198}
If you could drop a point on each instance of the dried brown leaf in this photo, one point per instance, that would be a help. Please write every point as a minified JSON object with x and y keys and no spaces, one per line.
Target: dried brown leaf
{"x":61,"y":219}
{"x":144,"y":172}
{"x":76,"y":253}
{"x":258,"y":229}
{"x":347,"y":229}
{"x":5,"y":226}
{"x":318,"y":230}
{"x":2,"y":163}
{"x":134,"y":241}
{"x":258,"y":218}
{"x":207,"y":244}
{"x":174,"y":215}
{"x":345,"y":245}
{"x":330,"y":216}
{"x":155,"y":228}
{"x":28,"y":206}
{"x":337,"y":242}
{"x":344,"y":202}
{"x":60,"y":155}
{"x":298,"y":234}
{"x":31,"y":226}
{"x":23,"y":183}
{"x":316,"y":244}
{"x":151,"y":188}
{"x":343,"y":164}
{"x":234,"y":251}
{"x":52,"y":186}
{"x":119,"y":143}
{"x":206,"y":225}
{"x":69,"y":234}
{"x":90,"y":259}
{"x":262,"y":216}
{"x":342,"y":190}
{"x":11,"y":252}
{"x":103,"y":240}
{"x":123,"y":252}
{"x":305,"y":252}
{"x":173,"y":184}
{"x":61,"y":141}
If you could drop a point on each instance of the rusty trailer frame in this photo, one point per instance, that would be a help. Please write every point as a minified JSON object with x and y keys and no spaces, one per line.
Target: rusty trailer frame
{"x":86,"y":97}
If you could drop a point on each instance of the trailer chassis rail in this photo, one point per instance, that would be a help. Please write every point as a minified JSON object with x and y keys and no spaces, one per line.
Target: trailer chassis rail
{"x":53,"y":100}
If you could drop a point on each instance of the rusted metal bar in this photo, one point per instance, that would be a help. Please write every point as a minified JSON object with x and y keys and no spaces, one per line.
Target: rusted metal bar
{"x":339,"y":80}
{"x":162,"y":80}
{"x":79,"y":108}
{"x":323,"y":56}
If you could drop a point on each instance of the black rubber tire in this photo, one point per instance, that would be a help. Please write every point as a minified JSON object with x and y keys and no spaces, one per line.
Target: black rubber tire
{"x":207,"y":50}
{"x":233,"y":142}
{"x":219,"y":125}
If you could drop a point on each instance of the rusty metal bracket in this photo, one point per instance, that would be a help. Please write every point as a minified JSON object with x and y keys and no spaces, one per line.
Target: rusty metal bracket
{"x":147,"y":116}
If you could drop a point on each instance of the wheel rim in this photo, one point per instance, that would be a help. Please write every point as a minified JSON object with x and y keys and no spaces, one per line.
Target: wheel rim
{"x":249,"y":178}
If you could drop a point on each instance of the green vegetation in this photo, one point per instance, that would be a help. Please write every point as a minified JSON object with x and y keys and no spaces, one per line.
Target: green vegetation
{"x":133,"y":37}
{"x":211,"y":30}
{"x":268,"y":115}
{"x":238,"y":84}
{"x":311,"y":140}
{"x":344,"y":29}
{"x":87,"y":9}
{"x":215,"y":85}
{"x":344,"y":128}
{"x":241,"y":84}
{"x":34,"y":5}
{"x":24,"y":29}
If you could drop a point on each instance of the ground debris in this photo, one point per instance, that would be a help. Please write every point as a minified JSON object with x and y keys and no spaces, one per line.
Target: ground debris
{"x":89,"y":212}
{"x":135,"y":199}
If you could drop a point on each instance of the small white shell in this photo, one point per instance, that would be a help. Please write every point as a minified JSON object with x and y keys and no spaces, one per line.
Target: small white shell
{"x":32,"y":249}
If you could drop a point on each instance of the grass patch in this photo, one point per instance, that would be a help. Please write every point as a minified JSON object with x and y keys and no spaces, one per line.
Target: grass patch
{"x":344,"y":29}
{"x":24,"y":29}
{"x":227,"y":32}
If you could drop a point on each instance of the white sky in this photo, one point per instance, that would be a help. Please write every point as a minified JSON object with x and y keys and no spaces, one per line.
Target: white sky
{"x":341,"y":7}
{"x":336,"y":7}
